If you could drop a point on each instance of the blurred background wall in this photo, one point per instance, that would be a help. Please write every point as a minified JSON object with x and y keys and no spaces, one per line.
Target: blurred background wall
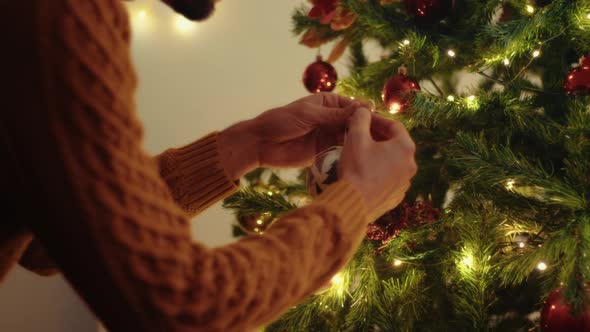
{"x":194,"y":78}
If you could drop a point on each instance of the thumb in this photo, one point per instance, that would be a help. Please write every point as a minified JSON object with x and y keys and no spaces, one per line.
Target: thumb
{"x":359,"y":126}
{"x":334,"y":116}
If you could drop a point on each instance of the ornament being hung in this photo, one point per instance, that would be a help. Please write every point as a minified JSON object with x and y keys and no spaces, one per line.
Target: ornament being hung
{"x":320,"y":76}
{"x":429,"y":11}
{"x":398,"y":91}
{"x":323,"y":171}
{"x":556,"y":315}
{"x":577,"y":81}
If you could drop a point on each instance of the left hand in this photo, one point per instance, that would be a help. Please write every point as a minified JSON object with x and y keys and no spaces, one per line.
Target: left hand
{"x":288,"y":136}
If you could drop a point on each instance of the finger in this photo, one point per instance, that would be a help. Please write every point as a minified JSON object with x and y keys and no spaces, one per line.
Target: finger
{"x":392,"y":131}
{"x":359,"y":127}
{"x":384,"y":129}
{"x":331,"y":116}
{"x":333,"y":100}
{"x":381,"y":128}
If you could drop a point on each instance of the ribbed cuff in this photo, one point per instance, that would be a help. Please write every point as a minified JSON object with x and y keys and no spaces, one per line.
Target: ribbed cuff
{"x":343,"y":199}
{"x":195,"y":175}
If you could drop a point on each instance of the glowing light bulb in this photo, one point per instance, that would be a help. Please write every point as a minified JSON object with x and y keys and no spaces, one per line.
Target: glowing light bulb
{"x":397,"y":262}
{"x":510,"y":184}
{"x":141,"y":15}
{"x":259,"y":222}
{"x":183,"y":25}
{"x":530,"y":9}
{"x":451,"y":53}
{"x":468,"y":260}
{"x":352,"y":97}
{"x":337,"y":280}
{"x":394,"y":108}
{"x":542,"y":266}
{"x":407,"y":41}
{"x":451,"y":98}
{"x":521,"y":244}
{"x":256,"y":229}
{"x":270,"y":193}
{"x":536,"y":53}
{"x":588,"y":16}
{"x":506,"y":62}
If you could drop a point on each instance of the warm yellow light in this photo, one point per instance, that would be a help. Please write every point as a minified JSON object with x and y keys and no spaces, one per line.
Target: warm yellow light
{"x":270,"y":193}
{"x":468,"y":260}
{"x":506,"y":62}
{"x":182,"y":24}
{"x":451,"y":53}
{"x":397,"y":262}
{"x":141,"y":20}
{"x":451,"y":98}
{"x":259,"y":222}
{"x":352,"y":97}
{"x":536,"y":53}
{"x":256,"y":229}
{"x":471,"y":98}
{"x":510,"y":184}
{"x":521,"y":244}
{"x":142,"y":14}
{"x":406,"y":42}
{"x":394,"y":108}
{"x":337,"y":280}
{"x":542,"y":266}
{"x":530,"y":9}
{"x":588,"y":16}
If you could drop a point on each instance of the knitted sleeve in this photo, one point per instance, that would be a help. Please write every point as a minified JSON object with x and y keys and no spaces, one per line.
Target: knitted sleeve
{"x":107,"y":217}
{"x":195,"y":175}
{"x":196,"y":180}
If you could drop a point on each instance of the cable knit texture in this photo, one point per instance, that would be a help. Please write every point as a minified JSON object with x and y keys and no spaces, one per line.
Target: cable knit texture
{"x":114,"y":219}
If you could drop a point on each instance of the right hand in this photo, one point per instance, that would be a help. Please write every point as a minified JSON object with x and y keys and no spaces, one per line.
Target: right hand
{"x":378,"y":159}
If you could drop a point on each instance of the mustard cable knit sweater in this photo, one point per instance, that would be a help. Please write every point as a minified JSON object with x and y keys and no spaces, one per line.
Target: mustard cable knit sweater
{"x":116,"y":221}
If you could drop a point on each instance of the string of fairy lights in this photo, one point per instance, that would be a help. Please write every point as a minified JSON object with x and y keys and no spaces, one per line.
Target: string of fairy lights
{"x":471,"y":100}
{"x":467,"y":259}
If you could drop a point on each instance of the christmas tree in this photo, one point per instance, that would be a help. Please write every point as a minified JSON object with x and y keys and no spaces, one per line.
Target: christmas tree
{"x":494,"y":234}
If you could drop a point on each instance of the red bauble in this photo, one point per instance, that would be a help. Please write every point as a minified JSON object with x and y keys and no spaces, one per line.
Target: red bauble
{"x":398,"y":92}
{"x":577,"y":81}
{"x":556,"y":316}
{"x":320,"y":76}
{"x":429,"y":11}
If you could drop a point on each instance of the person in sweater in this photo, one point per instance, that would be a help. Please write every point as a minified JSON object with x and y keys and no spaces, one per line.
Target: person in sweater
{"x":82,"y":197}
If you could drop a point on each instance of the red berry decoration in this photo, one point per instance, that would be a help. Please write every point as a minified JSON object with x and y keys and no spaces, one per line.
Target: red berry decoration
{"x":556,"y":316}
{"x":398,"y":91}
{"x":405,"y":216}
{"x":429,"y":11}
{"x":320,"y":76}
{"x":577,"y":81}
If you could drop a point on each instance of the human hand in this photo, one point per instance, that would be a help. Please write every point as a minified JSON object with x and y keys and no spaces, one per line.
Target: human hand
{"x":288,"y":136}
{"x":378,"y":159}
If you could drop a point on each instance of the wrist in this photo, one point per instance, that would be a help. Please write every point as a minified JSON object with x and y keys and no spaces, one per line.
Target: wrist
{"x":238,"y":149}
